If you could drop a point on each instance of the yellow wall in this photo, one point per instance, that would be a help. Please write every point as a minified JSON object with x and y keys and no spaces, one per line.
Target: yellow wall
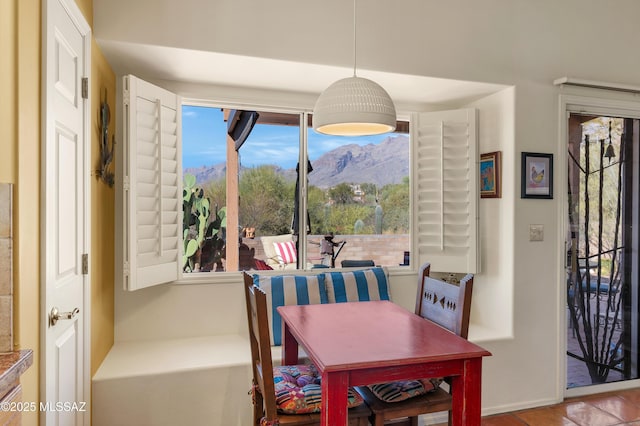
{"x":8,"y":90}
{"x":20,"y":118}
{"x":86,"y":7}
{"x":103,"y":85}
{"x":24,"y":145}
{"x":102,"y":216}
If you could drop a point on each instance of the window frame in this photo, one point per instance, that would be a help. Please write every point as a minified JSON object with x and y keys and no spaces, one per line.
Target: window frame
{"x":228,"y":277}
{"x":416,"y":246}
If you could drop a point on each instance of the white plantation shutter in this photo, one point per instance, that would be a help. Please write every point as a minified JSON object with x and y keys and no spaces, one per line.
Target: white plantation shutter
{"x":446,"y":190}
{"x":152,"y":184}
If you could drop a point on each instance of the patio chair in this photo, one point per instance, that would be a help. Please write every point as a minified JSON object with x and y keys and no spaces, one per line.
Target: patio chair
{"x":280,"y":251}
{"x":448,"y":305}
{"x":275,"y":403}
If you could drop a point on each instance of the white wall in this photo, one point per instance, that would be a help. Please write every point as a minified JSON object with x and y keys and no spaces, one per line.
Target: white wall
{"x":494,"y":285}
{"x":519,"y":43}
{"x":175,"y":311}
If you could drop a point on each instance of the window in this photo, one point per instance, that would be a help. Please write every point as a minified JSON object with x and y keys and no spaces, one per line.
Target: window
{"x":262,"y":190}
{"x":354,"y":212}
{"x":359,"y":198}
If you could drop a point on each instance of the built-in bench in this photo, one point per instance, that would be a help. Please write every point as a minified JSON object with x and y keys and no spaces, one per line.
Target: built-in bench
{"x":200,"y":380}
{"x":194,"y":381}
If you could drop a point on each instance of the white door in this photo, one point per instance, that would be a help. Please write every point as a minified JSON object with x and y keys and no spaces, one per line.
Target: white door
{"x":65,"y":279}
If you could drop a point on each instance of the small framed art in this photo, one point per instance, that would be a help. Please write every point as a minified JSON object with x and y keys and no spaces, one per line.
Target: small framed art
{"x":491,"y":175}
{"x":537,"y":175}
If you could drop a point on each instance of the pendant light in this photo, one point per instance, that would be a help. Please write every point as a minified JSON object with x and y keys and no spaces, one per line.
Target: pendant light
{"x":354,"y":106}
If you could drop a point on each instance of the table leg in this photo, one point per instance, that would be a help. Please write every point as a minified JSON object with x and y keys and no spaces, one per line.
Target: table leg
{"x":466,"y":393}
{"x":334,"y":398}
{"x":289,"y":346}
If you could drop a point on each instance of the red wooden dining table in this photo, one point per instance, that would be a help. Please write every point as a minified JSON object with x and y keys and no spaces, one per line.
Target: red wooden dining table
{"x":362,"y":343}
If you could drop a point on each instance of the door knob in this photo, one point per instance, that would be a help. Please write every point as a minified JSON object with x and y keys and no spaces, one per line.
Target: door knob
{"x":55,"y":315}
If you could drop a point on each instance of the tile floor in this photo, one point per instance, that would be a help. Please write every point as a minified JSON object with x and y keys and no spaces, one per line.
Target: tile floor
{"x":607,"y":409}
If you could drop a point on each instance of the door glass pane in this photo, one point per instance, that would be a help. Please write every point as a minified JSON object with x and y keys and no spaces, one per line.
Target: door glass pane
{"x":601,"y":260}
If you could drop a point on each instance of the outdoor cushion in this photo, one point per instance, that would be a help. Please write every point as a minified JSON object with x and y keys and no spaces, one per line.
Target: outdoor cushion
{"x":285,"y":252}
{"x":261,"y":265}
{"x":270,"y":255}
{"x":357,"y":286}
{"x":298,"y":390}
{"x":289,"y":290}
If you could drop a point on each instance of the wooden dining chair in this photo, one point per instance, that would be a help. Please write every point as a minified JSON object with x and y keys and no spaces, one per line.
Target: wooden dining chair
{"x":265,"y":395}
{"x":448,"y":305}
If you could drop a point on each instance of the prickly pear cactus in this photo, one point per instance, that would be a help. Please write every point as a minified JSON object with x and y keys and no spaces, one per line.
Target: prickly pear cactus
{"x":203,"y":234}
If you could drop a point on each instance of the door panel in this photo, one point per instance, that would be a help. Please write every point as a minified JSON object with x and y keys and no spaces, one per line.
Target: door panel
{"x":66,"y":203}
{"x":65,"y":182}
{"x":66,"y":350}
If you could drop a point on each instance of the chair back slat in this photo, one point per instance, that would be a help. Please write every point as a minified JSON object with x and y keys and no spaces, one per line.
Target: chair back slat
{"x":262,"y":364}
{"x":446,"y":304}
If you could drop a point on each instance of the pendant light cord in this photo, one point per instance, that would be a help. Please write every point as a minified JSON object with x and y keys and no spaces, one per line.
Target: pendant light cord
{"x":354,"y":38}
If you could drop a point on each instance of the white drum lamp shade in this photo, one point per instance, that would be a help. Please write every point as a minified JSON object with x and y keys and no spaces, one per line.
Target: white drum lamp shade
{"x":354,"y":106}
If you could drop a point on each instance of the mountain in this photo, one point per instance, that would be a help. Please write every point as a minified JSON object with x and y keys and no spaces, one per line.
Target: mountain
{"x":381,"y":164}
{"x":384,"y":163}
{"x":218,"y":171}
{"x":205,"y":174}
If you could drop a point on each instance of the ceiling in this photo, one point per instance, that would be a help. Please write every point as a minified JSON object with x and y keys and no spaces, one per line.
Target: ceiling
{"x":221,"y":69}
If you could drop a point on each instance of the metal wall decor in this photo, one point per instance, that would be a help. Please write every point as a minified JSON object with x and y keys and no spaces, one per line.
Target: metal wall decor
{"x":106,"y":149}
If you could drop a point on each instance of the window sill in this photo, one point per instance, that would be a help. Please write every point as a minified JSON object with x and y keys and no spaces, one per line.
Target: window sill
{"x":216,"y":278}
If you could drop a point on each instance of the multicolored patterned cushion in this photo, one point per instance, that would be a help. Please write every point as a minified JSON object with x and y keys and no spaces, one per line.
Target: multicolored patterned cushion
{"x":432,"y":384}
{"x":284,"y":290}
{"x":404,"y":389}
{"x":298,"y":390}
{"x":357,"y":286}
{"x":398,"y":391}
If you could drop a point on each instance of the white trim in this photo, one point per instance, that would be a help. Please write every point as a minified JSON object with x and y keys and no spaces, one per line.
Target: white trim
{"x":234,"y":104}
{"x":600,"y":105}
{"x":605,"y":387}
{"x":80,"y":22}
{"x":87,"y":227}
{"x":593,"y":84}
{"x":561,"y":173}
{"x":607,"y":104}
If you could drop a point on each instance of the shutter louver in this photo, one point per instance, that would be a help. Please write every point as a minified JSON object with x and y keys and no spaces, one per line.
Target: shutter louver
{"x":152,"y":184}
{"x":446,"y":190}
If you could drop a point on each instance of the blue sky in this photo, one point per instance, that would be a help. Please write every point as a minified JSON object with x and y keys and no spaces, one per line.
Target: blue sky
{"x":204,"y":138}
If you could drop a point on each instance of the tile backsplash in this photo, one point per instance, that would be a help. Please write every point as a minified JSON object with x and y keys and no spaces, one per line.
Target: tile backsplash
{"x":6,"y":268}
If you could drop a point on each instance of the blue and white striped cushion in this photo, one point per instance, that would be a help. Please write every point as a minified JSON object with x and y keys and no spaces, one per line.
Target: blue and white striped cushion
{"x":357,"y":286}
{"x":284,"y":290}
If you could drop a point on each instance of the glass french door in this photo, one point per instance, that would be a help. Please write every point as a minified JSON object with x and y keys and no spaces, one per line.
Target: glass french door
{"x":602,"y":264}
